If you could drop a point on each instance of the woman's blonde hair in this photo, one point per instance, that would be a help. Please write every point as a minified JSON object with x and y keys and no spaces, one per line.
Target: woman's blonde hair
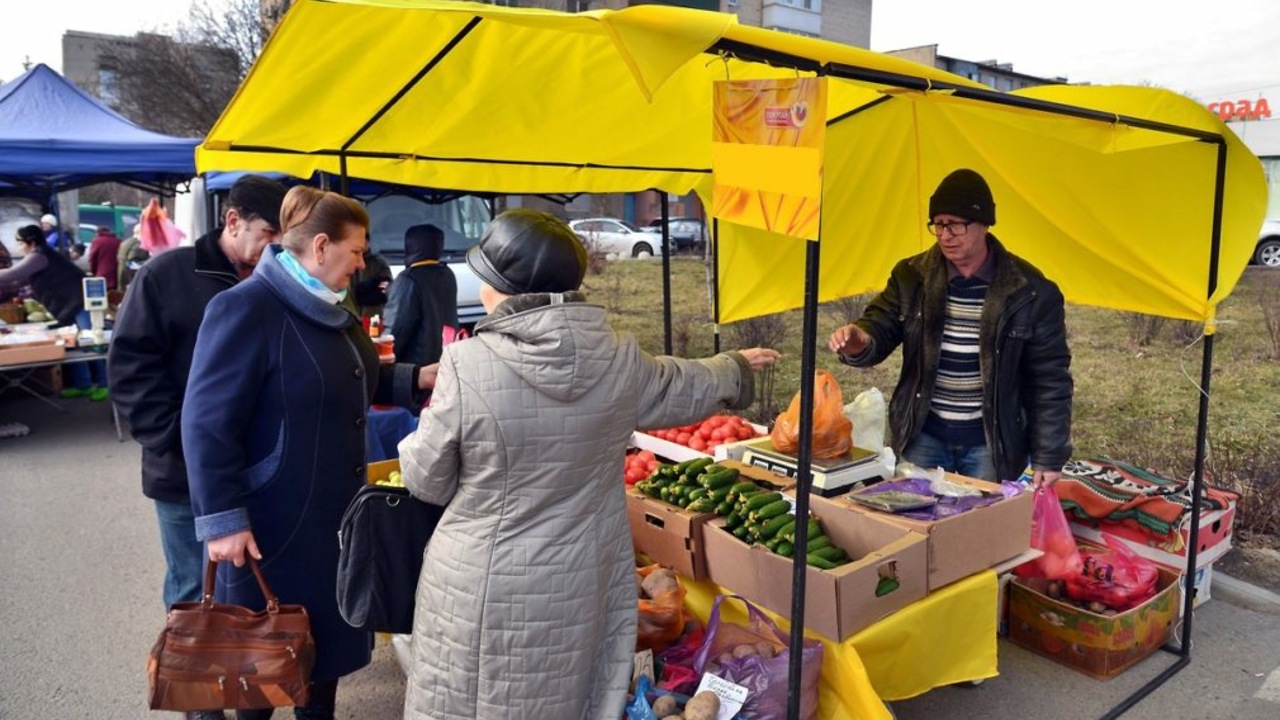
{"x":307,"y":212}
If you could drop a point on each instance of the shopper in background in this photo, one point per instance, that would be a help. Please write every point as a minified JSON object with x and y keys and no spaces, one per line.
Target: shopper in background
{"x":423,"y":299}
{"x":103,"y":254}
{"x":370,"y":283}
{"x":53,"y":237}
{"x":273,"y":425}
{"x":523,"y":444}
{"x":986,"y":382}
{"x":130,"y":258}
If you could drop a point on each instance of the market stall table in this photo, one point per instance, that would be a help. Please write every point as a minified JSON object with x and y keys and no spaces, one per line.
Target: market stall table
{"x":946,"y":638}
{"x":21,"y":376}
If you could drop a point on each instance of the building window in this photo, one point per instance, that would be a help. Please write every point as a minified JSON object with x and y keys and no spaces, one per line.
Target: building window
{"x":731,"y":3}
{"x":811,"y":5}
{"x":109,"y":86}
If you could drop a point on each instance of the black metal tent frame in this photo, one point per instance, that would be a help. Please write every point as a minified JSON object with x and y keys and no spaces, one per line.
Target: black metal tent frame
{"x":804,"y":477}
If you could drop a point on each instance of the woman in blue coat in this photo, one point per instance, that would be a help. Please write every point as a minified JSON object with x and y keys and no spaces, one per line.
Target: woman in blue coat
{"x":273,"y":425}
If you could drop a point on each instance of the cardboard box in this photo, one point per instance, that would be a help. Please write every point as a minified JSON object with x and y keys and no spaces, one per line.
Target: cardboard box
{"x":380,"y":470}
{"x":975,"y":540}
{"x":1213,"y":539}
{"x":839,"y":602}
{"x":1097,"y":645}
{"x":673,"y":536}
{"x":22,"y":354}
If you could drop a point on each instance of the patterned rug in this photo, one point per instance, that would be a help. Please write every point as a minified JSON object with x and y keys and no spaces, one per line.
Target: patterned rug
{"x":1106,"y":489}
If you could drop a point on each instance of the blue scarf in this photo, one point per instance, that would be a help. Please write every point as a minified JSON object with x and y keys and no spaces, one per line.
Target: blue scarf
{"x":313,"y":286}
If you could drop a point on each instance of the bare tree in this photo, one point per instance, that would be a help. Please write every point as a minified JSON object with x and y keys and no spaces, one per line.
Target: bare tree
{"x":179,"y":85}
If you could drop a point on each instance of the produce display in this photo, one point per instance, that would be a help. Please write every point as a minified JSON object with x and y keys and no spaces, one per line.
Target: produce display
{"x":705,"y":435}
{"x":703,"y":706}
{"x":753,"y":514}
{"x":639,"y":465}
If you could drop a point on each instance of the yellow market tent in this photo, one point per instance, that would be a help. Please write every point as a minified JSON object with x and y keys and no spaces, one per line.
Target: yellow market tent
{"x":474,"y":97}
{"x":1130,"y":198}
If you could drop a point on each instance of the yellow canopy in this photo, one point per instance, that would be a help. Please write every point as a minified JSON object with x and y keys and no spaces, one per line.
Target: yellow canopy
{"x":1113,"y":195}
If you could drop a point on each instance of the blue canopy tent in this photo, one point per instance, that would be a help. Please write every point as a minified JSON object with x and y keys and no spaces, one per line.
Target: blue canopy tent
{"x":56,"y":137}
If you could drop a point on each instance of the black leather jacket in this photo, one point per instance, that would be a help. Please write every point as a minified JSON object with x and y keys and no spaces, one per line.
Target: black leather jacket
{"x":1026,"y":376}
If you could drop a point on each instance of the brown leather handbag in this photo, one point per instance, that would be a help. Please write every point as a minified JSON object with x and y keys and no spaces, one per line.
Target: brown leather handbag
{"x":211,"y":655}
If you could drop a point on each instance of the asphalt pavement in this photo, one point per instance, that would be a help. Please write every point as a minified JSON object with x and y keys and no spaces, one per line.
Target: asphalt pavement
{"x":80,"y":606}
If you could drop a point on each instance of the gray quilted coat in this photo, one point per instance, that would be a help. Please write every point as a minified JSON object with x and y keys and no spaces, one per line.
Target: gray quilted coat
{"x":526,"y":605}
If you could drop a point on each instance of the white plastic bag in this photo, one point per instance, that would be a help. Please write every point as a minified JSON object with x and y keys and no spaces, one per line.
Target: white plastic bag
{"x":869,"y":416}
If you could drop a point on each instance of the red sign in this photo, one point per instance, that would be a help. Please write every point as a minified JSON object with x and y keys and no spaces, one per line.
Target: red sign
{"x":1242,"y":109}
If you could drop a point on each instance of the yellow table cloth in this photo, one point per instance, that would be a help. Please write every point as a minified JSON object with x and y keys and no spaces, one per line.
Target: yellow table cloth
{"x":947,"y":637}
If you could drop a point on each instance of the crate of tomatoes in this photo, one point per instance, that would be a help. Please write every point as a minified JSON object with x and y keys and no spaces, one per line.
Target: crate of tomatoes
{"x":709,"y":437}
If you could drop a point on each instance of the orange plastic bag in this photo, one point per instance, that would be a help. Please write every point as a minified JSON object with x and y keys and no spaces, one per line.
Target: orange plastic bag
{"x":661,"y":619}
{"x":831,"y":429}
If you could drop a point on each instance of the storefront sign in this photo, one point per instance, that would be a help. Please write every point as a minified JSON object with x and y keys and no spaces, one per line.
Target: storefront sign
{"x":1242,"y":109}
{"x":767,"y":153}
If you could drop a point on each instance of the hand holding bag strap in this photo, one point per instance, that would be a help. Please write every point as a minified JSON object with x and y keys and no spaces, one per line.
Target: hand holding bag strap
{"x":210,"y":580}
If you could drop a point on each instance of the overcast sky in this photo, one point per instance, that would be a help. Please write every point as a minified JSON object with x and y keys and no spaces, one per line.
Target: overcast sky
{"x":1210,"y":49}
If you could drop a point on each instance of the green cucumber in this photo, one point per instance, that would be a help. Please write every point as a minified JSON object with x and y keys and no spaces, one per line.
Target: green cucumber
{"x":775,"y":526}
{"x":733,"y":521}
{"x":702,"y":505}
{"x":772,"y":510}
{"x":724,"y":508}
{"x":832,"y":553}
{"x":741,"y":533}
{"x":742,"y":488}
{"x":724,"y":477}
{"x":759,"y":500}
{"x":820,"y":562}
{"x":785,"y":549}
{"x":817,"y":543}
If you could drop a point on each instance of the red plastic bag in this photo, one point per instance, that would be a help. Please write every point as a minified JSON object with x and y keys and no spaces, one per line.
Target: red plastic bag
{"x":677,"y":663}
{"x":1114,"y":576}
{"x":766,"y":678}
{"x":1051,"y":534}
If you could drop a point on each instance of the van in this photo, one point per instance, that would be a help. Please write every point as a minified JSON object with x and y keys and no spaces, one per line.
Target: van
{"x":121,"y":219}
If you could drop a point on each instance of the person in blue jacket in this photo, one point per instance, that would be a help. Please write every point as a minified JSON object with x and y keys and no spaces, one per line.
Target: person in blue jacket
{"x":273,"y":425}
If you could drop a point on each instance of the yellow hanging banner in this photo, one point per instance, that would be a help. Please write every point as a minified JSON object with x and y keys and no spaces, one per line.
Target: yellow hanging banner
{"x":767,"y":153}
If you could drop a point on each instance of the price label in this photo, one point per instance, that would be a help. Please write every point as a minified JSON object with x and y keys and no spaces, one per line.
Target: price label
{"x":732,"y":696}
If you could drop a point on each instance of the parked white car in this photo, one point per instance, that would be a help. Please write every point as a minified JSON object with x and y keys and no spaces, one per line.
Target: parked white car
{"x":1267,"y":253}
{"x":617,"y":237}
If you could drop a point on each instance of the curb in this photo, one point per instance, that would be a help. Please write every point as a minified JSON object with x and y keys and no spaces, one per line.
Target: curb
{"x":1245,"y":595}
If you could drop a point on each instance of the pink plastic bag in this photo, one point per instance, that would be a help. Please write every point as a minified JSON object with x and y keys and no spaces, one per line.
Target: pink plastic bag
{"x":157,"y":232}
{"x":1051,"y":534}
{"x":766,"y":678}
{"x":1114,"y":576}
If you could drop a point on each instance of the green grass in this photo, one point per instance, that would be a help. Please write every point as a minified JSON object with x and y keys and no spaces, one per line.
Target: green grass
{"x":1135,"y":401}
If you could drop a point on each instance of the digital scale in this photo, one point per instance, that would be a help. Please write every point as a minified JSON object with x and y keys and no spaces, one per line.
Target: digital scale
{"x":95,"y":302}
{"x":856,"y":468}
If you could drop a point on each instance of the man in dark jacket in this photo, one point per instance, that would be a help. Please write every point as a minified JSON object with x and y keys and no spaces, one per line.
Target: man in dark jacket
{"x":986,"y":383}
{"x":150,"y":359}
{"x":423,"y":299}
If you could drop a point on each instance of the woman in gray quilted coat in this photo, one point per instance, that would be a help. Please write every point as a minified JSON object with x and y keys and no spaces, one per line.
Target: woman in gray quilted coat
{"x":526,"y":605}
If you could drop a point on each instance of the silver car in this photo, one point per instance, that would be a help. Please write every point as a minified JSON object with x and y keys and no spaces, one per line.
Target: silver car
{"x":616,"y":237}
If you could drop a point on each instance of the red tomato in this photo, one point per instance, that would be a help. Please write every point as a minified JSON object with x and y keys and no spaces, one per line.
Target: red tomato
{"x":683,"y":438}
{"x":697,"y":443}
{"x":746,"y":432}
{"x":718,"y":435}
{"x":647,"y":456}
{"x":634,"y":476}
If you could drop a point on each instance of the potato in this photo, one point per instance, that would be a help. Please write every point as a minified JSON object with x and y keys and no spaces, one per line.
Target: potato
{"x":742,"y":651}
{"x":724,"y":657}
{"x":703,"y":706}
{"x":660,"y":581}
{"x":665,"y":705}
{"x":1097,"y":607}
{"x":766,"y":650}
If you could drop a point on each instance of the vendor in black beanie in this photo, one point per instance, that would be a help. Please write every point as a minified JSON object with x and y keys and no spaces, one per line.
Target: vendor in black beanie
{"x":985,"y":389}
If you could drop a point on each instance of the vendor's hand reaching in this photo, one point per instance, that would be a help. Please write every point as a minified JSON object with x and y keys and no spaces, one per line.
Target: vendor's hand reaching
{"x":760,"y":358}
{"x":427,"y":376}
{"x":232,"y":547}
{"x":849,"y":340}
{"x":1045,"y":478}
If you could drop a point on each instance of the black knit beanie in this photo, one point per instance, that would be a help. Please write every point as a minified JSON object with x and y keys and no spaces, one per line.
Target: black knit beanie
{"x":964,"y":194}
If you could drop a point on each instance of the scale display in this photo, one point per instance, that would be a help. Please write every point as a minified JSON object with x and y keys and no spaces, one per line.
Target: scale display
{"x":95,"y":293}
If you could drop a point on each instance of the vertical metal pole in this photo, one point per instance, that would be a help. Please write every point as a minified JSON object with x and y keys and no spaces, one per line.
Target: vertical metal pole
{"x":804,"y":478}
{"x":715,"y":284}
{"x":344,"y":183}
{"x":665,"y":202}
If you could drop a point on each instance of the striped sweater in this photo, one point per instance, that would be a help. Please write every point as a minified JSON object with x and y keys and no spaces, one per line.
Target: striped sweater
{"x":955,"y":412}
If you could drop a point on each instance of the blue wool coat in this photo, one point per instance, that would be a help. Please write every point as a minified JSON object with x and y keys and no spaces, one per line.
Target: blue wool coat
{"x":273,"y":433}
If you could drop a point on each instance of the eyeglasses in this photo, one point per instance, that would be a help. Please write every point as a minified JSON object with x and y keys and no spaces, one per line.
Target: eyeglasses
{"x":952,"y":228}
